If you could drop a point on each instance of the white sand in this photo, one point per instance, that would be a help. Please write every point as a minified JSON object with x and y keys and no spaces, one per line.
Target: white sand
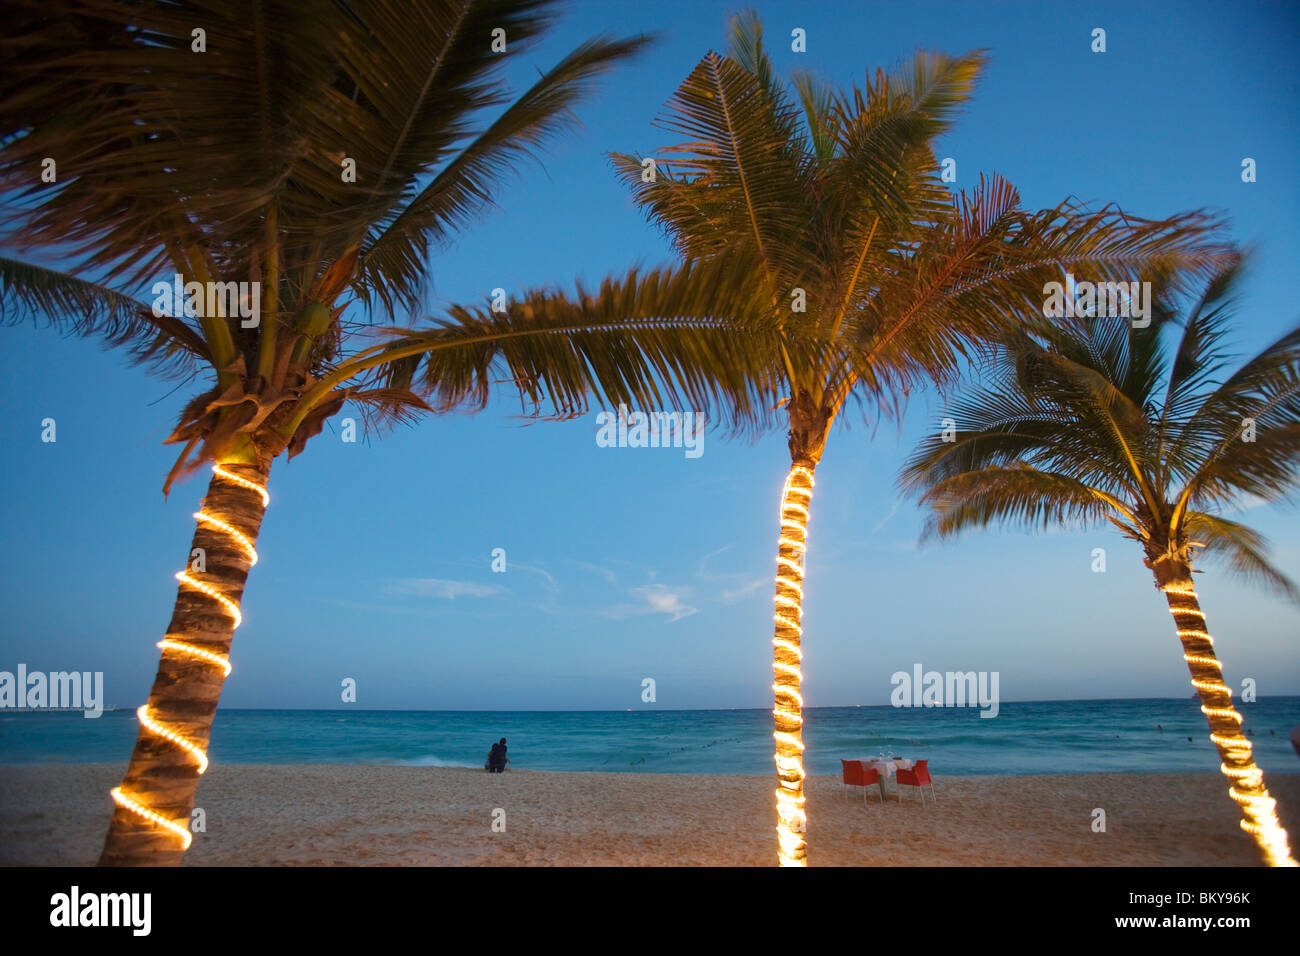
{"x":352,"y":815}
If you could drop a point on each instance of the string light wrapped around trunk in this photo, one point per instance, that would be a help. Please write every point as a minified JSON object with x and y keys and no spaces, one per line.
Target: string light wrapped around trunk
{"x":1247,"y":779}
{"x":786,"y":660}
{"x":173,"y":645}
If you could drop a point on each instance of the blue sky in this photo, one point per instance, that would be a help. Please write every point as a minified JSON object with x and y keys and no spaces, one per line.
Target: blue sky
{"x":632,"y":563}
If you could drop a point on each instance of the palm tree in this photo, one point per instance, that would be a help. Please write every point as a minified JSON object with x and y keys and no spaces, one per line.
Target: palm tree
{"x":1097,"y":419}
{"x":830,"y":208}
{"x":231,"y":162}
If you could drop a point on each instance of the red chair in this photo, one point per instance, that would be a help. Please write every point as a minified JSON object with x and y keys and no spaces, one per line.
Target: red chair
{"x":919,"y":777}
{"x":856,"y":775}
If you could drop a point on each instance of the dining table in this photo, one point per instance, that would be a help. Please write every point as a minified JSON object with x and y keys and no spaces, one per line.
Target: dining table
{"x":885,"y":767}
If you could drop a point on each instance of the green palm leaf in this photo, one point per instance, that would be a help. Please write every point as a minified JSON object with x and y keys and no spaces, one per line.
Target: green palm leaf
{"x":1127,"y":431}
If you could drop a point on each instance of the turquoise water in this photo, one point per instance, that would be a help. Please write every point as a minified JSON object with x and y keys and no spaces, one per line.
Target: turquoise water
{"x":1025,"y":738}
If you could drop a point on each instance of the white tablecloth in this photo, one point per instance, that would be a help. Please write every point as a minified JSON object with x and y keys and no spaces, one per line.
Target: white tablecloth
{"x":887,"y":767}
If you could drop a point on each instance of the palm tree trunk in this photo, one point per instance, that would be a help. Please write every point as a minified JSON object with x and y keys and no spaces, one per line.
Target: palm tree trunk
{"x":786,"y":656}
{"x":150,"y":824}
{"x":1259,"y":817}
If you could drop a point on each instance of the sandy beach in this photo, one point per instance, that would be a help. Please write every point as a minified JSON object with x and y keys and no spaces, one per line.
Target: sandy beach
{"x":319,"y":815}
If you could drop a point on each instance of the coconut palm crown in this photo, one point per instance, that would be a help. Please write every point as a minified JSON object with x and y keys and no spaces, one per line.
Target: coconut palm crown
{"x":1152,"y":430}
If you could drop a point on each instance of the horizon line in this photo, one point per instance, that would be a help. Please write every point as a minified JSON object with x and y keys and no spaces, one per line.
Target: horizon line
{"x":623,"y":710}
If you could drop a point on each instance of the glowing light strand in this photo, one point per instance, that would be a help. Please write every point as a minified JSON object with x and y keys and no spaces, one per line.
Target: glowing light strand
{"x":180,"y":740}
{"x":189,"y":650}
{"x":170,"y":644}
{"x":1259,"y":808}
{"x":787,"y":656}
{"x":231,"y":607}
{"x":139,"y":809}
{"x":245,"y":482}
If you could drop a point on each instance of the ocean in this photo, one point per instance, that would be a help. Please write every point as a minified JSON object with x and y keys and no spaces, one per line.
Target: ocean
{"x":1083,"y":736}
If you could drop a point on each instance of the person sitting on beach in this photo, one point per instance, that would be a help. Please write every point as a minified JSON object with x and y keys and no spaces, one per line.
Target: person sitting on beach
{"x":497,"y":758}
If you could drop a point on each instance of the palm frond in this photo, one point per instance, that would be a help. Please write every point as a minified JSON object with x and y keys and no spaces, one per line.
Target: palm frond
{"x":1199,"y":354}
{"x":736,"y":171}
{"x":386,"y":408}
{"x":1261,"y":399}
{"x":884,"y":169}
{"x":1019,"y":495}
{"x":697,"y":337}
{"x":745,"y":48}
{"x":1243,"y":549}
{"x":817,"y":99}
{"x":395,"y":257}
{"x":923,"y":312}
{"x":79,"y":307}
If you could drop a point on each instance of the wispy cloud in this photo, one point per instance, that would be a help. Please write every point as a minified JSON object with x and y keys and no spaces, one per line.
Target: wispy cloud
{"x":712,"y":554}
{"x":654,"y":599}
{"x":550,"y":579}
{"x":885,"y":520}
{"x":605,"y":573}
{"x":665,"y":601}
{"x":735,"y":585}
{"x":440,"y":588}
{"x":1246,"y":503}
{"x":650,"y":572}
{"x":434,"y":611}
{"x":743,"y":591}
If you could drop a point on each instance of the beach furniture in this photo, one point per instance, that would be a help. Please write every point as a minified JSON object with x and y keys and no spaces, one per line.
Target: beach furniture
{"x":856,"y":775}
{"x":885,"y":767}
{"x":919,"y":777}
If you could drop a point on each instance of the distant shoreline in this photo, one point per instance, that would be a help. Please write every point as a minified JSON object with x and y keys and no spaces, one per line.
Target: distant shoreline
{"x":398,"y":765}
{"x":1192,"y":698}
